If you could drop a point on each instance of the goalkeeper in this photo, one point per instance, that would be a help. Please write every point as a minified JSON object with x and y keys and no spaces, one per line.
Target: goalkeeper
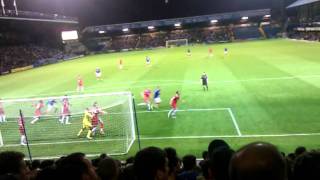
{"x":86,"y":123}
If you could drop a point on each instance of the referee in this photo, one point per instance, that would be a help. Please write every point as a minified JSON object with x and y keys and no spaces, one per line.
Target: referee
{"x":204,"y":80}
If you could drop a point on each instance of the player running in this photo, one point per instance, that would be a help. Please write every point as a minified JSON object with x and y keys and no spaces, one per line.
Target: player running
{"x":23,"y":139}
{"x":148,"y":60}
{"x":210,"y":51}
{"x":120,"y":64}
{"x":2,"y":114}
{"x":204,"y":80}
{"x":86,"y":124}
{"x":98,"y":73}
{"x":146,"y":94}
{"x":225,"y":51}
{"x":51,"y":105}
{"x":188,"y":52}
{"x":156,"y":97}
{"x":80,"y":86}
{"x":65,"y":111}
{"x":37,"y":112}
{"x":95,"y":120}
{"x":173,"y":104}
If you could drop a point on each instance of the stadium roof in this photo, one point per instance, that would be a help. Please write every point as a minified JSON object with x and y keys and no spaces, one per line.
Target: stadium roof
{"x":185,"y":20}
{"x":301,"y":3}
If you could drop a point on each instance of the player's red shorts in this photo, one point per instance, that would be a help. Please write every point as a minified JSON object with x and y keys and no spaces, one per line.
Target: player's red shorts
{"x":37,"y":113}
{"x":146,"y":99}
{"x":66,"y":112}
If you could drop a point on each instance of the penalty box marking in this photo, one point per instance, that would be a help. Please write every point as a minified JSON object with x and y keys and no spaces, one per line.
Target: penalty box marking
{"x":229,"y":110}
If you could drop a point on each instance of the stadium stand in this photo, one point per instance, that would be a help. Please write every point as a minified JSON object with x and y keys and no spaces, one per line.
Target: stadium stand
{"x":248,"y":32}
{"x":272,"y":31}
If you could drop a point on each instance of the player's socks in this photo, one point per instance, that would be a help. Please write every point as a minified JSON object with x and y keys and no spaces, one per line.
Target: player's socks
{"x":102,"y":131}
{"x":3,"y":118}
{"x":67,"y":120}
{"x":34,"y":120}
{"x":88,"y":134}
{"x":23,"y":140}
{"x":169,"y":114}
{"x":79,"y":133}
{"x":62,"y":119}
{"x":94,"y":131}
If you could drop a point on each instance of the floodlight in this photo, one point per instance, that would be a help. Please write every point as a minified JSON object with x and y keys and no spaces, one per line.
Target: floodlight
{"x":214,"y":21}
{"x":177,"y":24}
{"x":125,"y":30}
{"x":102,"y":32}
{"x":150,"y":27}
{"x":245,"y":18}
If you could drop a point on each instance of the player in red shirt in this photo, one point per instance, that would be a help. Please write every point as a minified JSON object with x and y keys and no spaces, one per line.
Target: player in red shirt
{"x":210,"y":51}
{"x":80,"y":86}
{"x":65,"y":111}
{"x":173,"y":104}
{"x":37,"y":112}
{"x":2,"y":114}
{"x":120,"y":64}
{"x":96,"y":121}
{"x":23,"y":139}
{"x":146,"y":94}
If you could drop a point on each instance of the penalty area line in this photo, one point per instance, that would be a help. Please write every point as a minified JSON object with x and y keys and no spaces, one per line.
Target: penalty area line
{"x":231,"y":136}
{"x":176,"y":137}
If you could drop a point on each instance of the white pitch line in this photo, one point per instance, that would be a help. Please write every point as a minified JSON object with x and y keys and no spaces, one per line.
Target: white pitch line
{"x":178,"y":137}
{"x":185,"y":110}
{"x":66,"y":142}
{"x":234,"y":122}
{"x":231,"y":136}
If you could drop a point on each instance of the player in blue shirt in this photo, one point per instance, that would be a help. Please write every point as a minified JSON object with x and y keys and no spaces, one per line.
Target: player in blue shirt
{"x":98,"y":73}
{"x":51,"y":105}
{"x":188,"y":52}
{"x":156,"y":97}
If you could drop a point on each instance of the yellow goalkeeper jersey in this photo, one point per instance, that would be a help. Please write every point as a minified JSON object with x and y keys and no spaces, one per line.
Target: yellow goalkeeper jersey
{"x":86,"y":119}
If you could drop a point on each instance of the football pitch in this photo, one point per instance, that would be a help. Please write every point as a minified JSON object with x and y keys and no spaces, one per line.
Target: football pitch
{"x":260,"y":91}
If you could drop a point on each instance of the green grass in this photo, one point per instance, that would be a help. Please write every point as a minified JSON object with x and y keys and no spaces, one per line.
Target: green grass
{"x":272,"y":88}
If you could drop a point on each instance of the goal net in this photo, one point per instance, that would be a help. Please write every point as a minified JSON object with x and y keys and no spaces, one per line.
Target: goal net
{"x":57,"y":132}
{"x":176,"y":42}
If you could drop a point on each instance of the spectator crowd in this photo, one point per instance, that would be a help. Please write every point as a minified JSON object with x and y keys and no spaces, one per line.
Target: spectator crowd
{"x":254,"y":161}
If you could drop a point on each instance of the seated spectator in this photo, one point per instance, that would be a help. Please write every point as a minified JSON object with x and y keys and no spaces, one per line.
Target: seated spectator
{"x":214,"y":144}
{"x":189,"y":171}
{"x":108,"y":169}
{"x":174,"y":162}
{"x":257,"y":161}
{"x":300,"y":150}
{"x":307,"y":166}
{"x":151,"y":163}
{"x":75,"y":166}
{"x":12,"y":166}
{"x":219,"y":163}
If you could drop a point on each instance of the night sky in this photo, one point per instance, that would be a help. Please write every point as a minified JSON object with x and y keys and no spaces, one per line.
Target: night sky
{"x":98,"y":12}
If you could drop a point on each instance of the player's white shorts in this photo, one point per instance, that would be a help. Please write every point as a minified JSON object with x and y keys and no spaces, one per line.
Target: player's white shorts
{"x":157,"y":100}
{"x":148,"y":62}
{"x":225,"y":52}
{"x":98,"y":75}
{"x":50,"y":107}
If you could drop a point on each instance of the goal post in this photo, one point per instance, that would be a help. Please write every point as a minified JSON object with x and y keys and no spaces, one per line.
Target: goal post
{"x":51,"y":135}
{"x":1,"y":140}
{"x":176,"y":42}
